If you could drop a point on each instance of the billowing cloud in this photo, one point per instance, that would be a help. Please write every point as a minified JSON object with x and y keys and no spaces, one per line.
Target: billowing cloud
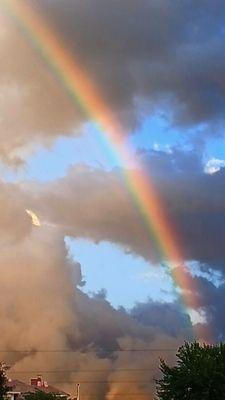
{"x":42,"y":308}
{"x":41,"y":302}
{"x":95,"y":204}
{"x":34,"y":107}
{"x":214,"y":165}
{"x":155,"y":50}
{"x":156,"y":314}
{"x":148,"y":55}
{"x":210,"y":298}
{"x":14,"y":222}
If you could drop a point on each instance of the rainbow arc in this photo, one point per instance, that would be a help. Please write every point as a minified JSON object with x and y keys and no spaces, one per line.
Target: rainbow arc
{"x":82,"y":90}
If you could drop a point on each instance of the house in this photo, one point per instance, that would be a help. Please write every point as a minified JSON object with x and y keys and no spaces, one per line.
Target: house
{"x":18,"y":389}
{"x":39,"y":384}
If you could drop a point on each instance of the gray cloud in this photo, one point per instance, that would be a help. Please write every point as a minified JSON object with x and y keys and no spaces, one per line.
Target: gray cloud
{"x":208,"y":298}
{"x":155,"y":50}
{"x":194,"y":201}
{"x":157,"y":314}
{"x":95,"y":204}
{"x":166,"y":54}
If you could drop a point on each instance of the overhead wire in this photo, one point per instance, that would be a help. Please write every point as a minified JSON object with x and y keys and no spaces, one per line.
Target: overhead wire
{"x":56,"y":371}
{"x":85,"y":350}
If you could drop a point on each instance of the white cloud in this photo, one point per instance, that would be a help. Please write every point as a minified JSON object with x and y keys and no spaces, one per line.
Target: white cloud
{"x":197,"y":317}
{"x":214,"y":165}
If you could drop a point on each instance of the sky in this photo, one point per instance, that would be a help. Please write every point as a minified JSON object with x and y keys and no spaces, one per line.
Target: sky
{"x":102,"y":104}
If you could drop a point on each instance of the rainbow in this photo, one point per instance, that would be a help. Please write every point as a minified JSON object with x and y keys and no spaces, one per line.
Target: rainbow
{"x":83,"y":91}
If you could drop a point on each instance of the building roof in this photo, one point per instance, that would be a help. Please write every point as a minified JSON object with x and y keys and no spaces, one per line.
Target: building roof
{"x":17,"y":386}
{"x":51,"y":389}
{"x":40,"y":384}
{"x":20,"y":387}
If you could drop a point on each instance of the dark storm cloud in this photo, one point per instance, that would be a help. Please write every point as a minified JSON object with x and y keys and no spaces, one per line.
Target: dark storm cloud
{"x":194,"y":202}
{"x":213,"y":304}
{"x":143,"y":55}
{"x":210,"y":300}
{"x":170,"y":316}
{"x":164,"y":50}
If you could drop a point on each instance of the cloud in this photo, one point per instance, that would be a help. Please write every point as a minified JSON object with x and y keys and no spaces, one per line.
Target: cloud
{"x":34,"y":107}
{"x":43,"y":308}
{"x":157,"y":314}
{"x":163,"y":54}
{"x":14,"y":222}
{"x":214,"y":165}
{"x":52,"y":310}
{"x":208,"y":299}
{"x":193,"y":200}
{"x":159,"y":50}
{"x":95,"y":204}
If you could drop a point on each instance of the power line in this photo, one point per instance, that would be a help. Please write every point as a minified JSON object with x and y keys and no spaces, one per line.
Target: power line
{"x":113,"y":381}
{"x":118,"y":394}
{"x":81,"y":370}
{"x":85,"y":351}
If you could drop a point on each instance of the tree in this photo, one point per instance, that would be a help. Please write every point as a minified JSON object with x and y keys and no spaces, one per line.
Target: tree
{"x":199,"y":374}
{"x":3,"y":381}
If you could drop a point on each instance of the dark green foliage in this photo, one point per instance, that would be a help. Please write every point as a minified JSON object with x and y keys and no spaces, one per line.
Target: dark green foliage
{"x":198,"y":375}
{"x":39,"y":395}
{"x":3,"y":383}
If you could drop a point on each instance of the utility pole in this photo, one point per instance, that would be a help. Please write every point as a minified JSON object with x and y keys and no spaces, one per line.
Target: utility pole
{"x":78,"y":391}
